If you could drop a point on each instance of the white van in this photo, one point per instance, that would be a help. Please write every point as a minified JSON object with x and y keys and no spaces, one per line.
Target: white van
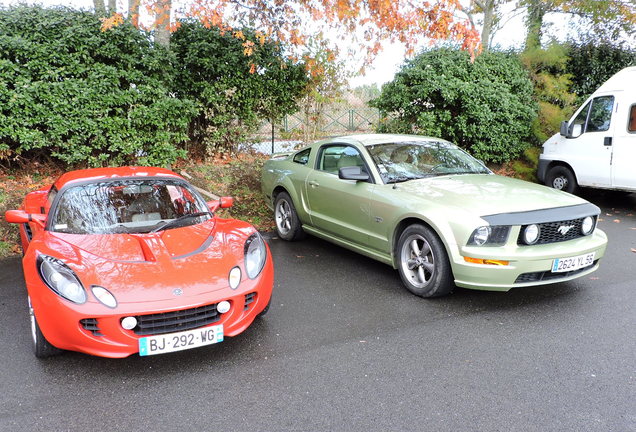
{"x":597,"y":147}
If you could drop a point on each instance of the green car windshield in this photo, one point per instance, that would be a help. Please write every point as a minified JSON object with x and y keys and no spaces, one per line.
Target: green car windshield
{"x":404,"y":161}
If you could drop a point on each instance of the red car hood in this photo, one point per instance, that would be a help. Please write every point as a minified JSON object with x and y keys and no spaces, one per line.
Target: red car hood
{"x":150,"y":267}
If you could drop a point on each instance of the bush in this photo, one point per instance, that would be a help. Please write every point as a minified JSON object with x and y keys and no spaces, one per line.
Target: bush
{"x":237,"y":79}
{"x":70,"y":91}
{"x":590,"y":64}
{"x":547,"y":70}
{"x":485,"y":107}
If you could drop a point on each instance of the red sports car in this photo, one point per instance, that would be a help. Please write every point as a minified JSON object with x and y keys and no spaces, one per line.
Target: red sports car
{"x":119,"y":261}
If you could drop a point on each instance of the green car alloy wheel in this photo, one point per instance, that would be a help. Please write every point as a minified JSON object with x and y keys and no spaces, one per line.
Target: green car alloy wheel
{"x":424,"y":266}
{"x":287,"y":223}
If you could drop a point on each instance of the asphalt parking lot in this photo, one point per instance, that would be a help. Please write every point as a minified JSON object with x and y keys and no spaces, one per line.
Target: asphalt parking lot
{"x":345,"y":347}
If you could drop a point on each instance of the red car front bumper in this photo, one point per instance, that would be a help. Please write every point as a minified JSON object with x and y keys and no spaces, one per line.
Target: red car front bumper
{"x":94,"y":329}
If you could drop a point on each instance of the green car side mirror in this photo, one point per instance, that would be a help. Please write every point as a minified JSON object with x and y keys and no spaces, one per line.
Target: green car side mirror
{"x":353,"y":173}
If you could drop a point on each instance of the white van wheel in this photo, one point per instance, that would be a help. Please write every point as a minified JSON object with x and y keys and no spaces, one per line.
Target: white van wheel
{"x":561,"y":178}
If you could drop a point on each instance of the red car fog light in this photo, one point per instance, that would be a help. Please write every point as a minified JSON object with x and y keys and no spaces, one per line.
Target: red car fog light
{"x":223,"y":307}
{"x":129,"y":323}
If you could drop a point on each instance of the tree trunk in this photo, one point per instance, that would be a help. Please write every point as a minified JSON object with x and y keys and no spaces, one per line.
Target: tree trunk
{"x":112,"y":6}
{"x":489,"y":19}
{"x":534,"y":23}
{"x":100,"y":9}
{"x":133,"y":12}
{"x":162,"y":22}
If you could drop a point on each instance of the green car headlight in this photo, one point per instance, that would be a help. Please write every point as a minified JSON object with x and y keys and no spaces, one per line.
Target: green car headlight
{"x":61,"y":279}
{"x":255,"y":254}
{"x":481,"y":235}
{"x":489,"y":236}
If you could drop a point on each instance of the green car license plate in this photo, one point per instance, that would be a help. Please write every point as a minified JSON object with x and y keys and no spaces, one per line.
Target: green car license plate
{"x":561,"y":265}
{"x":171,"y":342}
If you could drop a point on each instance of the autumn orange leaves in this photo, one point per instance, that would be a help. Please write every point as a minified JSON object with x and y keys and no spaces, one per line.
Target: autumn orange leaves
{"x":369,"y":23}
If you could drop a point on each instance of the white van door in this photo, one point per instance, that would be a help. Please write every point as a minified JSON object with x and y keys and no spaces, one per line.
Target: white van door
{"x":590,"y":147}
{"x":624,"y":147}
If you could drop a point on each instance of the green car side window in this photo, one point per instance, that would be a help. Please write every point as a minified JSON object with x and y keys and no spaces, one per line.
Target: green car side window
{"x":302,"y":157}
{"x":334,"y":157}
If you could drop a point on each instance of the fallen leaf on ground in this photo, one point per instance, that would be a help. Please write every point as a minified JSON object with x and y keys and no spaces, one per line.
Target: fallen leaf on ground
{"x":617,"y":221}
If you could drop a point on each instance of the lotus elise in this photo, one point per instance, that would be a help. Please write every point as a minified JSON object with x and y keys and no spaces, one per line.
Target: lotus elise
{"x":120,"y":261}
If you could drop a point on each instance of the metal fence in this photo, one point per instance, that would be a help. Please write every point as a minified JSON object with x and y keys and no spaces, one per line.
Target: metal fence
{"x":289,"y":133}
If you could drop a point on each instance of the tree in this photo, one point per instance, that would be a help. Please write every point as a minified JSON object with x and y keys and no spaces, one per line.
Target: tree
{"x":484,"y":106}
{"x":491,"y":17}
{"x":369,"y":22}
{"x":234,"y":90}
{"x":366,"y":93}
{"x":160,"y":9}
{"x":162,"y":26}
{"x":326,"y":84}
{"x":608,"y":19}
{"x":100,"y":8}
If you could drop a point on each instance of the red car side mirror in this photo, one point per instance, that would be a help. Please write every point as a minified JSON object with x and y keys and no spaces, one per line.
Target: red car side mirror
{"x":226,"y":202}
{"x":20,"y":216}
{"x":223,"y":202}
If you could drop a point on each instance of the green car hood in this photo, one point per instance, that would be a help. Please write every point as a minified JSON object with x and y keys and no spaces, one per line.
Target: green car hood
{"x":483,"y":194}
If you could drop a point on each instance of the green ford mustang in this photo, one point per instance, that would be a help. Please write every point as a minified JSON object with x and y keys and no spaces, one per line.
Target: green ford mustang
{"x":430,"y":210}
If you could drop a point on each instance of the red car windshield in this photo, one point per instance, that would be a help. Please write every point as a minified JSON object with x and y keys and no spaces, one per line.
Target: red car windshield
{"x":126,"y":206}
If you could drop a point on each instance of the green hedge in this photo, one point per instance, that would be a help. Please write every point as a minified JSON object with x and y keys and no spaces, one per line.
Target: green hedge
{"x":591,"y":63}
{"x":485,"y":107}
{"x":72,"y":92}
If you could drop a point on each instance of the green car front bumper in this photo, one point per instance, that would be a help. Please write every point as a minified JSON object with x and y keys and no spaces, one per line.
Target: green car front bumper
{"x":527,"y":265}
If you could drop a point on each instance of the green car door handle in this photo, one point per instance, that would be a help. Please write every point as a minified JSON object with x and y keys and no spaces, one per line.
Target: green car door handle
{"x":313,"y":183}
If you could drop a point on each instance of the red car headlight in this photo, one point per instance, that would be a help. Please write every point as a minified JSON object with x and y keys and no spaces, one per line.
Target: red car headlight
{"x":255,"y":255}
{"x":61,"y":279}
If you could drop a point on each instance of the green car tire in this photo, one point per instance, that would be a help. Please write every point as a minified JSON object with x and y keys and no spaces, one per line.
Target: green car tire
{"x":423,"y":262}
{"x":287,"y":222}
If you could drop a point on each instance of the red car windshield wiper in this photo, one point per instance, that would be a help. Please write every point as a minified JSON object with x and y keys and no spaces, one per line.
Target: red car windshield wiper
{"x":179,"y":219}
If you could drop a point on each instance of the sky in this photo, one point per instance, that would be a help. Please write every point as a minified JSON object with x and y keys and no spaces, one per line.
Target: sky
{"x":385,"y":65}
